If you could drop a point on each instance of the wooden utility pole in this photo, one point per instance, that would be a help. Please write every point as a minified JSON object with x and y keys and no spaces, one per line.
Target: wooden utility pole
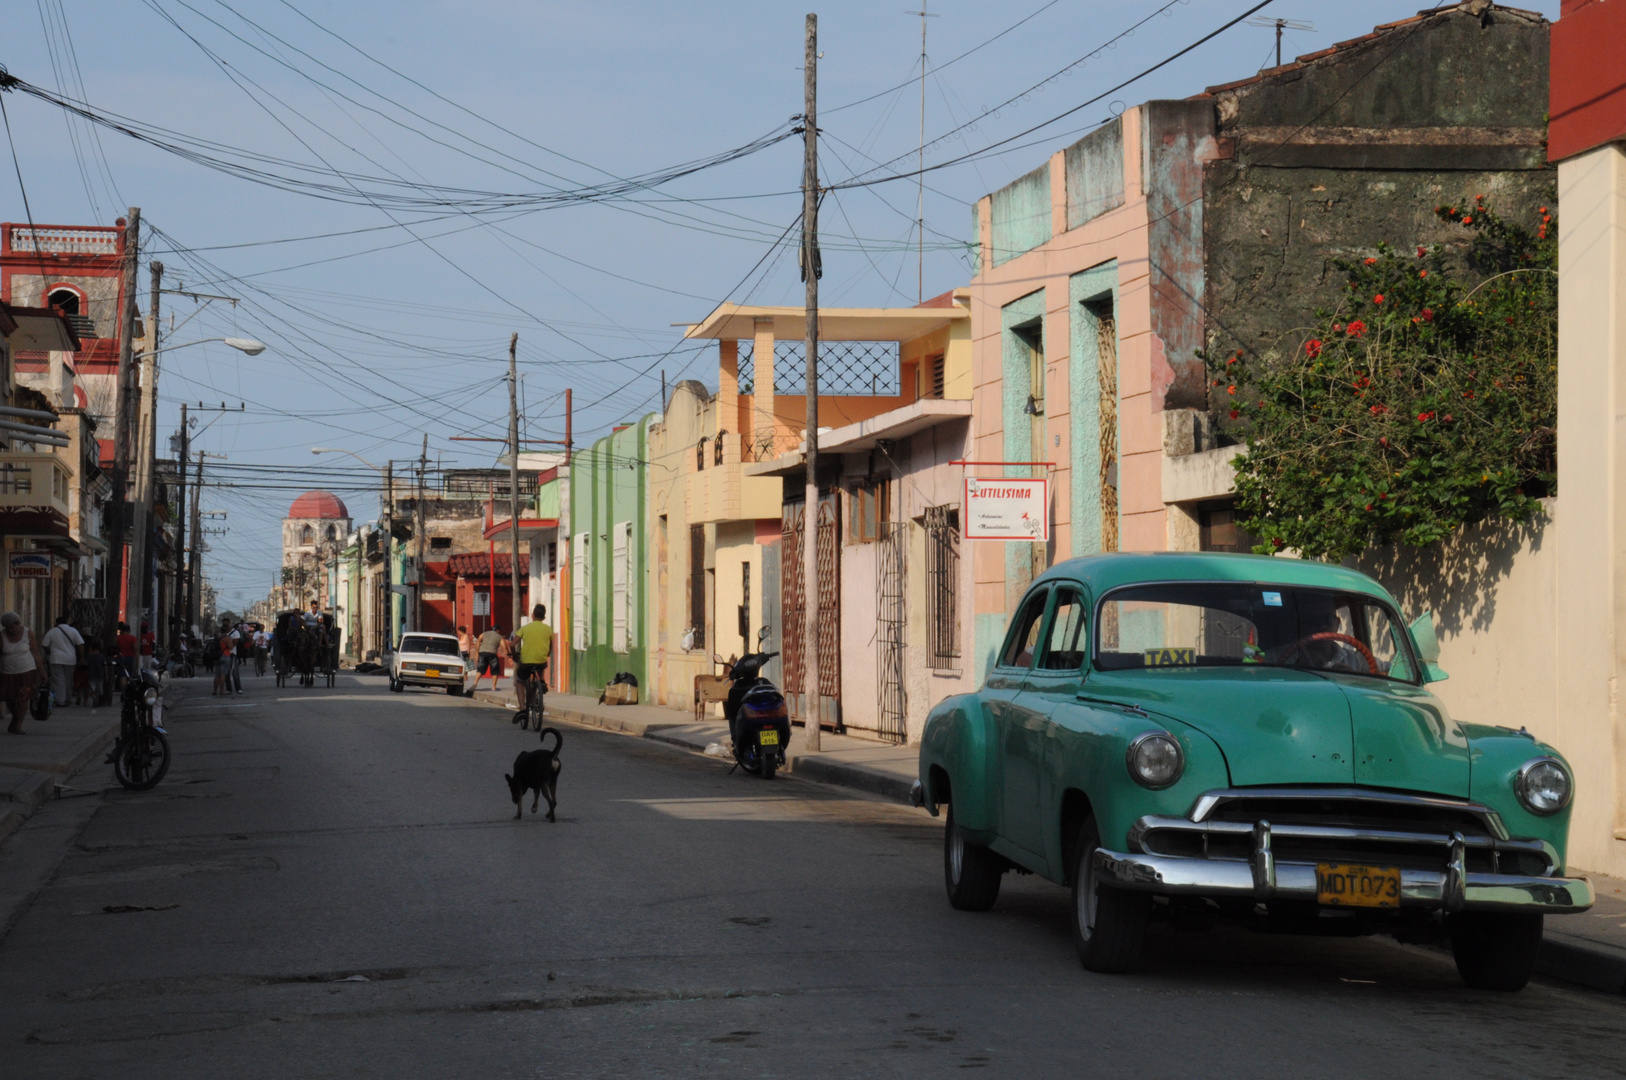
{"x":513,"y":480}
{"x":810,"y":273}
{"x":562,"y":547}
{"x":178,"y":608}
{"x":195,"y":563}
{"x":146,"y":454}
{"x":387,"y":632}
{"x":420,"y":524}
{"x":119,"y":513}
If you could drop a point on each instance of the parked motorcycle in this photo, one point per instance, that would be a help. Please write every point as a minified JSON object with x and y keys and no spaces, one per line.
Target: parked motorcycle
{"x":140,"y":757}
{"x":755,"y":709}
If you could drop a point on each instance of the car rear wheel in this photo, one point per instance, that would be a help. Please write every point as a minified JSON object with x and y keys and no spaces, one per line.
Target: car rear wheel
{"x":1108,"y":924}
{"x":970,"y":871}
{"x":396,"y":686}
{"x":1495,"y":950}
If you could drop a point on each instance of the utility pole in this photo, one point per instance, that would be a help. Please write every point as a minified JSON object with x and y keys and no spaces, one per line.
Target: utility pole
{"x":121,"y":425}
{"x":388,"y":630}
{"x":418,"y":528}
{"x":810,"y":274}
{"x":513,"y":479}
{"x":179,"y":609}
{"x":141,"y":596}
{"x":193,"y":582}
{"x":566,"y":569}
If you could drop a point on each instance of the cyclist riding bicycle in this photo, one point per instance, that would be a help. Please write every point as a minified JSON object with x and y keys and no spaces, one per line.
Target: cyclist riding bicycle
{"x":532,"y":645}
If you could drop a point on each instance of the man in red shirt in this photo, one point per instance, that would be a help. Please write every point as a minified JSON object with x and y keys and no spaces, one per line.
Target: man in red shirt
{"x":126,"y":647}
{"x":149,"y":642}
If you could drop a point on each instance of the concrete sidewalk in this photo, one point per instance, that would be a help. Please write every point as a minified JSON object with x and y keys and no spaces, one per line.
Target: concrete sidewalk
{"x":1588,"y":949}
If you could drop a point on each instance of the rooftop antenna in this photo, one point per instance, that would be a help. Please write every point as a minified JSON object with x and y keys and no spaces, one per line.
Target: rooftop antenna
{"x":920,"y":177}
{"x":1280,"y":25}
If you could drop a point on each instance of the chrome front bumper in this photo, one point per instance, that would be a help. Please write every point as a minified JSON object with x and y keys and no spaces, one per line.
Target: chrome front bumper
{"x":1263,"y":877}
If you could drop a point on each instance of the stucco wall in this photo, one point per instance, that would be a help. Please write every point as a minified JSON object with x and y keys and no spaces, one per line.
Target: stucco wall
{"x":1021,"y":215}
{"x":690,"y":414}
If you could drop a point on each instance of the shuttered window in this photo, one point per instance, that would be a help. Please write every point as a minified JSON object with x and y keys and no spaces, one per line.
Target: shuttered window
{"x":620,"y":587}
{"x":580,"y":616}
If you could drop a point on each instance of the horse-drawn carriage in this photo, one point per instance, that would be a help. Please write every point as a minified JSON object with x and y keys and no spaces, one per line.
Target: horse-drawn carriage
{"x":305,"y":649}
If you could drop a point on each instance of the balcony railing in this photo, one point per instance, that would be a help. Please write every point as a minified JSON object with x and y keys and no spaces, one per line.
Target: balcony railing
{"x":34,"y":481}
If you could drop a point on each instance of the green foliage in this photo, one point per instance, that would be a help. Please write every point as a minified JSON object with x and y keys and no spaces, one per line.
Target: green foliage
{"x":1427,"y":400}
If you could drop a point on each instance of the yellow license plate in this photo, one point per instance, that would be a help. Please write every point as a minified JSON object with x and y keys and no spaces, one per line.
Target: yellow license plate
{"x":433,"y":673}
{"x":1353,"y":885}
{"x":767,"y":738}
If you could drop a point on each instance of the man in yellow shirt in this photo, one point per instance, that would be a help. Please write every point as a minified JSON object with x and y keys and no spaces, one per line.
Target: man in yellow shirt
{"x":532,"y":647}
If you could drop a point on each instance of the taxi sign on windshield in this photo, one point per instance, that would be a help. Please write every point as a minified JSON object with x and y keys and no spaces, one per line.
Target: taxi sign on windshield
{"x":1169,"y":657}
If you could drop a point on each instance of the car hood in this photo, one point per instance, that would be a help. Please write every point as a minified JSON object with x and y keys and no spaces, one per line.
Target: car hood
{"x":1277,"y":726}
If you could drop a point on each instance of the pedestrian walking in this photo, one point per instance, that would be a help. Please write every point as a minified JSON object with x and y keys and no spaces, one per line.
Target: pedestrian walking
{"x":148,"y":646}
{"x":96,"y":672}
{"x":20,"y":668}
{"x":491,"y":642}
{"x":63,"y":647}
{"x":127,"y":645}
{"x":225,"y":648}
{"x":465,"y":644}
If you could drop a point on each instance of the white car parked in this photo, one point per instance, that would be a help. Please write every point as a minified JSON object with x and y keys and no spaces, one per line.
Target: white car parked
{"x":427,"y":660}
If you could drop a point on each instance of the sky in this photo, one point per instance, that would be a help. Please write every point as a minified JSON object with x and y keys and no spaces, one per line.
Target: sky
{"x":461,"y":174}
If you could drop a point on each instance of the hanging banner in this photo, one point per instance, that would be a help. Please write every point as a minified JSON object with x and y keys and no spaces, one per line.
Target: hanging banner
{"x":31,"y":564}
{"x":997,"y":508}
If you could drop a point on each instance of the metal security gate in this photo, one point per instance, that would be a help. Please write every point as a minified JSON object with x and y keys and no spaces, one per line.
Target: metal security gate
{"x":793,"y":605}
{"x":891,"y":631}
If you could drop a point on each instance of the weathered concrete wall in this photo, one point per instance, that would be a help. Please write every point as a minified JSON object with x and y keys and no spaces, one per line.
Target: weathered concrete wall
{"x":1094,"y":167}
{"x":1179,"y":139}
{"x":1331,"y":157}
{"x":1021,"y":215}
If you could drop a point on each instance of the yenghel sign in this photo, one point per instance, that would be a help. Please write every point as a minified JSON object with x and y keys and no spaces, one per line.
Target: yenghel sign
{"x":30,"y":564}
{"x":1005,"y":509}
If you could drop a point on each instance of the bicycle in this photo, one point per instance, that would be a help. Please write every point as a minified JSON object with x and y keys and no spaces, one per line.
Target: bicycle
{"x":536,"y":688}
{"x":140,"y":756}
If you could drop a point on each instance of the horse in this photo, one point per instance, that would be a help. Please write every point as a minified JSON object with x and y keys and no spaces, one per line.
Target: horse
{"x":309,"y":643}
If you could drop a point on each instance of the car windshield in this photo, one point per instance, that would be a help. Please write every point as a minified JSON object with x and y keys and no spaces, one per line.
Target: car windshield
{"x":1227,"y":624}
{"x":436,"y":646}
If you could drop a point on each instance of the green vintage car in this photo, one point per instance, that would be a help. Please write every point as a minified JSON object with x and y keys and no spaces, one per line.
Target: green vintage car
{"x":1197,"y":736}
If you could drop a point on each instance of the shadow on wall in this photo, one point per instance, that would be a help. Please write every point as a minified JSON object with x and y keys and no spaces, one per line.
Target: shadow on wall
{"x":1457,"y":579}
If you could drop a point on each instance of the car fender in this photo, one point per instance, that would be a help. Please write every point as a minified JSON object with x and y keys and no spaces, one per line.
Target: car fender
{"x":1089,"y":754}
{"x":1495,"y":756}
{"x":957,"y":743}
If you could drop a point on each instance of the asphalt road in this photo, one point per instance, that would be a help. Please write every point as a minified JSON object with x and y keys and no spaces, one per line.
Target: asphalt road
{"x":337,"y":887}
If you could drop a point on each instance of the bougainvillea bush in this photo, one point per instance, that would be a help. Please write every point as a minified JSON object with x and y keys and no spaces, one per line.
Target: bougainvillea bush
{"x":1426,"y":401}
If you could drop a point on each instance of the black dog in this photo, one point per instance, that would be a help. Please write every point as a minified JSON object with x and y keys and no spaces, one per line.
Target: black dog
{"x":536,"y":770}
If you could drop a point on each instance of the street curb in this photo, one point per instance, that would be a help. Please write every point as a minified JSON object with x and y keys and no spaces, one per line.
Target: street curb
{"x":1596,"y":966}
{"x":31,"y":791}
{"x":10,"y":822}
{"x":840,"y":774}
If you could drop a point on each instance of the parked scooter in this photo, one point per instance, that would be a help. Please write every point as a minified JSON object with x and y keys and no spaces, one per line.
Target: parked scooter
{"x":755,"y":709}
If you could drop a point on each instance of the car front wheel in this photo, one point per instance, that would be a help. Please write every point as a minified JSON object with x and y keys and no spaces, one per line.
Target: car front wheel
{"x":970,"y":871}
{"x":1108,"y":924}
{"x":1495,"y":950}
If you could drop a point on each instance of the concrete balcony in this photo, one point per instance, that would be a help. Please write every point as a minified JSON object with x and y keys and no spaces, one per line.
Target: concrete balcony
{"x":724,"y":493}
{"x":34,"y":491}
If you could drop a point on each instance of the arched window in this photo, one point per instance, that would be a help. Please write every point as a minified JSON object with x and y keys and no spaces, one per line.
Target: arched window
{"x":332,"y":533}
{"x":66,"y":299}
{"x":307,"y":535}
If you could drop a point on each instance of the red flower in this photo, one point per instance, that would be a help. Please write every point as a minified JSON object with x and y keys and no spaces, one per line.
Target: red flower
{"x":1428,"y":314}
{"x":1356,"y":328}
{"x":1312,"y":347}
{"x":1448,"y":418}
{"x":1338,"y":328}
{"x":1543,"y":209}
{"x":1378,"y":299}
{"x":1468,"y":220}
{"x":1422,"y":273}
{"x":1371,"y":262}
{"x":1228,"y":363}
{"x":1231,"y":389}
{"x":1235,"y":414}
{"x":1369,"y":506}
{"x":1425,"y":416}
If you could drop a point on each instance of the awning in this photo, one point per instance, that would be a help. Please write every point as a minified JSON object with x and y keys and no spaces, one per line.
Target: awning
{"x":528,"y":528}
{"x":861,"y":437}
{"x":475,"y":564}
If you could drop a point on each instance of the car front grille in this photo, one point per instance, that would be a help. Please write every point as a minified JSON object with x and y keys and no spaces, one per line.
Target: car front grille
{"x":1343,"y":826}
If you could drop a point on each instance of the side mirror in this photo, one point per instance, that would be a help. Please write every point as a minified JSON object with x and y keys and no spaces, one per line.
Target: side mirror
{"x":762,"y":635}
{"x":1428,"y":647}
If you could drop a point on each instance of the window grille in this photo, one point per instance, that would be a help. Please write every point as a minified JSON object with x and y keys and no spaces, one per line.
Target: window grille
{"x":846,"y":368}
{"x":942,"y":593}
{"x":697,"y":584}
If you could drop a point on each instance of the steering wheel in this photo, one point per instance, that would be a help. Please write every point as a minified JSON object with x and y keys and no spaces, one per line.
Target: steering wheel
{"x":1332,"y":635}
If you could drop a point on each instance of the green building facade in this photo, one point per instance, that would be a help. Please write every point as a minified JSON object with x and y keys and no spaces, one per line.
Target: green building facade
{"x":609,"y":556}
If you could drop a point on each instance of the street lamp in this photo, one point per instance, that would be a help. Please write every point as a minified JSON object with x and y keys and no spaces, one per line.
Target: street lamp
{"x":247,"y":345}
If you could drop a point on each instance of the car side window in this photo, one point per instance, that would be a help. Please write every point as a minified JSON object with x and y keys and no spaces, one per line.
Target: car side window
{"x":1024,"y":638}
{"x":1067,"y":642}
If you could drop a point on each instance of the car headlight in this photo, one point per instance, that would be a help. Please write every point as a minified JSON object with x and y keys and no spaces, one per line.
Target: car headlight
{"x":1155,"y":760}
{"x":1543,"y":786}
{"x":150,"y":696}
